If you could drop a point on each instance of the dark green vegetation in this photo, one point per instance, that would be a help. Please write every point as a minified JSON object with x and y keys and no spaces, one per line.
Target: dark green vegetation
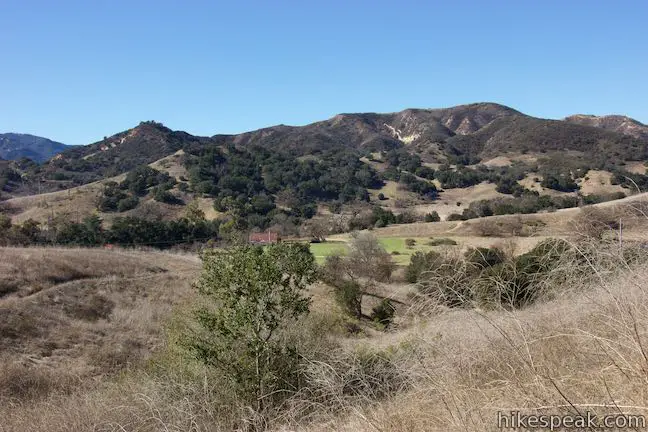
{"x":254,"y":294}
{"x":139,"y":182}
{"x":249,"y":183}
{"x":615,"y":123}
{"x":530,"y":202}
{"x":38,"y":149}
{"x":127,"y":231}
{"x":602,"y":148}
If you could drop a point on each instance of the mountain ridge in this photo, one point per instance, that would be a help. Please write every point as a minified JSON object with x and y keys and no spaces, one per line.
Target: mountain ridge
{"x":39,"y":149}
{"x":614,"y":122}
{"x":463,"y":134}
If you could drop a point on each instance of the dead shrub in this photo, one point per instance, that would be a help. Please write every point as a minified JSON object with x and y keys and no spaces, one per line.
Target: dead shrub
{"x":93,"y":308}
{"x":113,"y":357}
{"x":593,"y":223}
{"x":19,"y":382}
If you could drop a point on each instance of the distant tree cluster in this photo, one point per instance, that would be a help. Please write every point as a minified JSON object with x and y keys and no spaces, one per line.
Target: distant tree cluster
{"x":530,"y":202}
{"x":139,"y":182}
{"x":247,"y":184}
{"x":8,"y":175}
{"x":461,"y":177}
{"x":559,"y":181}
{"x":630,"y":180}
{"x":127,"y":231}
{"x":380,"y":217}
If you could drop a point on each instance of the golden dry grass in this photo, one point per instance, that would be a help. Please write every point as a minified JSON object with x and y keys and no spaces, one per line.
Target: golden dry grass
{"x":598,"y":182}
{"x":86,"y":312}
{"x":172,"y":165}
{"x":455,"y":200}
{"x":584,"y":350}
{"x":441,"y":370}
{"x":636,"y":167}
{"x":81,"y":201}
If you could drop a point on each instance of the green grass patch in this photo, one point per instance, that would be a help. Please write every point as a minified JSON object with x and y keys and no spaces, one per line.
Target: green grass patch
{"x":321,"y":250}
{"x":395,"y":246}
{"x":401,"y":254}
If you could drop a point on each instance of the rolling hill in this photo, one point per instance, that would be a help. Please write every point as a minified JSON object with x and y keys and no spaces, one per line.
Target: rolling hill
{"x":479,"y":130}
{"x":460,"y":162}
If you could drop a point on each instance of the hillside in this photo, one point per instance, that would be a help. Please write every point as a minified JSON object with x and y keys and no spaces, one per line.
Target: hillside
{"x":615,"y":123}
{"x":463,"y":133}
{"x":38,"y":149}
{"x":350,"y":172}
{"x":528,"y":134}
{"x":371,"y":131}
{"x":117,"y":154}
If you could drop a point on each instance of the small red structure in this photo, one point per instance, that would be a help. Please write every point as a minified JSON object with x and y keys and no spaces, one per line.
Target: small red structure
{"x":262,"y":238}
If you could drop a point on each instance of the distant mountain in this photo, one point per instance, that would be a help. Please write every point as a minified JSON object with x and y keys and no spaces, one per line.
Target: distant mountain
{"x":372,"y":131}
{"x":529,"y":134}
{"x":15,"y":146}
{"x":616,"y":123}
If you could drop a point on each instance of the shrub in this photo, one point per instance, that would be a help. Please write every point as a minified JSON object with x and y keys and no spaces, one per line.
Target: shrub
{"x":448,"y":283}
{"x":432,"y":217}
{"x":383,"y":313}
{"x":127,"y":204}
{"x":594,"y":223}
{"x":486,"y":276}
{"x":518,"y":282}
{"x":162,"y":195}
{"x":405,"y":218}
{"x":560,"y":182}
{"x":349,"y":296}
{"x":484,"y":257}
{"x":487,"y":228}
{"x":421,"y":262}
{"x":252,"y":294}
{"x":410,"y":243}
{"x":442,"y":241}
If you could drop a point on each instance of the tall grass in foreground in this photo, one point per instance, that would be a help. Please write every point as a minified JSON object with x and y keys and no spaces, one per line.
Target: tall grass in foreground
{"x":583,"y":345}
{"x":583,"y":349}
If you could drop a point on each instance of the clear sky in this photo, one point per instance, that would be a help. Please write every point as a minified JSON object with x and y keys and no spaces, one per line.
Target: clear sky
{"x":75,"y":71}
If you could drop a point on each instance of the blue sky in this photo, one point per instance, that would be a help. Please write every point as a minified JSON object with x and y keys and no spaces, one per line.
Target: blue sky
{"x":75,"y":71}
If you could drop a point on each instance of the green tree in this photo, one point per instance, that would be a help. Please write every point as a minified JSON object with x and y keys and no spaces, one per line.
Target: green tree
{"x":432,"y":217}
{"x":194,"y":214}
{"x":253,"y":294}
{"x":5,"y":222}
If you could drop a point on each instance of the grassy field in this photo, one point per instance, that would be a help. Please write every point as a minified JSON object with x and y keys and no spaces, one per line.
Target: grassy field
{"x":401,"y":253}
{"x":396,"y":246}
{"x":328,"y":248}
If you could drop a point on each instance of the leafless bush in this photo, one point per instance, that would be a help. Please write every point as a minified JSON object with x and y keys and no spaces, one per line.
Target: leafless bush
{"x":593,"y":223}
{"x":368,"y":258}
